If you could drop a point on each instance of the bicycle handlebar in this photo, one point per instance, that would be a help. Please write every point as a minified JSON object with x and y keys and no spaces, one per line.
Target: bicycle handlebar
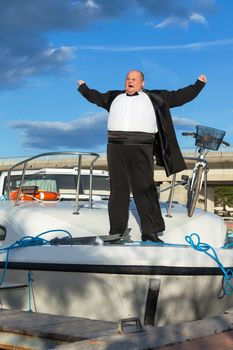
{"x":189,"y":134}
{"x":225,"y":143}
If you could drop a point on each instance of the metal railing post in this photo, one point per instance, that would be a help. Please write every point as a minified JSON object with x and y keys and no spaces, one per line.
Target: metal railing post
{"x":91,"y":181}
{"x":171,"y":196}
{"x":76,"y":212}
{"x":205,"y":188}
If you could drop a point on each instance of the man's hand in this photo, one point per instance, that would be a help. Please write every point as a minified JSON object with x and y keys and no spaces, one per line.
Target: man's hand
{"x":203,"y":78}
{"x":80,"y":82}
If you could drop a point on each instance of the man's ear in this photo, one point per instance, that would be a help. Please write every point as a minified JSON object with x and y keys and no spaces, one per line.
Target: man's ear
{"x":143,"y":83}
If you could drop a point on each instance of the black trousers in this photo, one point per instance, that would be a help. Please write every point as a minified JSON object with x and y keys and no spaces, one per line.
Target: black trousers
{"x":132,"y":166}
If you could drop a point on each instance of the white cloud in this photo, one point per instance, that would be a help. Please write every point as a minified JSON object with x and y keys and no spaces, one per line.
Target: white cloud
{"x":181,"y":21}
{"x":61,"y":54}
{"x":168,"y":22}
{"x":92,"y":4}
{"x":196,"y":17}
{"x":182,"y":123}
{"x":26,"y":25}
{"x":89,"y":132}
{"x":191,"y":46}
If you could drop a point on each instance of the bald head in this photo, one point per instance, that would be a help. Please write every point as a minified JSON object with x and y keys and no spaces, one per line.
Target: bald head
{"x":134,"y":81}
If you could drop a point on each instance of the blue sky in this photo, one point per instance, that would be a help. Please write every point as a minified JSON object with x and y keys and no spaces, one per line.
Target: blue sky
{"x":46,"y":46}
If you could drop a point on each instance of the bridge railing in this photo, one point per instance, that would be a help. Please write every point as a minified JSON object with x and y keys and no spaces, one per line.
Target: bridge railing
{"x":223,"y":152}
{"x":48,"y":161}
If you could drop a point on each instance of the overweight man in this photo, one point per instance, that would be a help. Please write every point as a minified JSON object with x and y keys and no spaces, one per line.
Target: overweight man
{"x":140,"y":127}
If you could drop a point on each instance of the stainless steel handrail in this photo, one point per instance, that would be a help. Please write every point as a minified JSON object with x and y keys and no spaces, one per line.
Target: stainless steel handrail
{"x":171,"y":196}
{"x":74,"y":153}
{"x":173,"y":185}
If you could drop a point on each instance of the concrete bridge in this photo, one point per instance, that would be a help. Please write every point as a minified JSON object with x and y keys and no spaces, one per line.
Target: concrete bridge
{"x":220,"y":173}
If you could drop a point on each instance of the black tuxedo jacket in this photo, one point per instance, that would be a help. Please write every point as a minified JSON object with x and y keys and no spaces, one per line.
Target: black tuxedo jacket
{"x":166,"y":148}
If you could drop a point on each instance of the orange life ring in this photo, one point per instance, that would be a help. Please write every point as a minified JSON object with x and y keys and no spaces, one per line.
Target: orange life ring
{"x":22,"y":197}
{"x":47,"y":195}
{"x":39,"y":195}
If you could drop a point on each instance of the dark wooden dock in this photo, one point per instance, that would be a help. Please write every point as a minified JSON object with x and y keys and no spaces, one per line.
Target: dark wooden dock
{"x":35,"y":331}
{"x":30,"y":330}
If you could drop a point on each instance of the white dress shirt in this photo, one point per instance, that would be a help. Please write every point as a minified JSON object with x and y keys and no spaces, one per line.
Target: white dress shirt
{"x":132,"y":113}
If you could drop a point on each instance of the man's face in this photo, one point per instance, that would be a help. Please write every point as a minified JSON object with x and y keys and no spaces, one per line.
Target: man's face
{"x":133,"y":82}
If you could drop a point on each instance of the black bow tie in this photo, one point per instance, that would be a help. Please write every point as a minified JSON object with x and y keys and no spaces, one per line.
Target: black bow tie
{"x":134,"y":94}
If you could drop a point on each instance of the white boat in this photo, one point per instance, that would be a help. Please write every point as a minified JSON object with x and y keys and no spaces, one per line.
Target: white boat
{"x":62,"y":251}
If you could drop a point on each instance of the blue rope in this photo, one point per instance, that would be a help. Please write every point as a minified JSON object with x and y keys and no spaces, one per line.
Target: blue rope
{"x":227,"y":246}
{"x":24,"y":242}
{"x":194,"y":241}
{"x":49,"y":231}
{"x":159,"y":244}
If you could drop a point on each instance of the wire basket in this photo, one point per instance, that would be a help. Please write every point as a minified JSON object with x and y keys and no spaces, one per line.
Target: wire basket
{"x":209,"y":138}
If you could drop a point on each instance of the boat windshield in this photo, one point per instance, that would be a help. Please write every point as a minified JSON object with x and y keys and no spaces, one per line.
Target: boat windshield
{"x":65,"y":184}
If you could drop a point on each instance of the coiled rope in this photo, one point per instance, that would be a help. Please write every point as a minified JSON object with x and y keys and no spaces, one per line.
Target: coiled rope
{"x":195,"y":242}
{"x":27,"y":241}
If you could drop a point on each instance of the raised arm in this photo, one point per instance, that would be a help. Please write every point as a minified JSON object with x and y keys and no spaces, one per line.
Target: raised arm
{"x":94,"y":96}
{"x":186,"y":94}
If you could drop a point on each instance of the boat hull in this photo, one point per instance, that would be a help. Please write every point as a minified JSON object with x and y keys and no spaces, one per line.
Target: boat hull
{"x":160,"y":284}
{"x":113,"y":296}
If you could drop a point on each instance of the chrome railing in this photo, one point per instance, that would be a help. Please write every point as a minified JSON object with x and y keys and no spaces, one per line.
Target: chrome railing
{"x":80,"y":156}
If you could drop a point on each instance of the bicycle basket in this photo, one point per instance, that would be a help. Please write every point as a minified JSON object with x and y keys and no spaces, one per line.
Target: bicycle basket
{"x":209,"y":138}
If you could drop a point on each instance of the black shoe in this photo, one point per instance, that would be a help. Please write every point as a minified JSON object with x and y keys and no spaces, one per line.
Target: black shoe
{"x":153,"y":237}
